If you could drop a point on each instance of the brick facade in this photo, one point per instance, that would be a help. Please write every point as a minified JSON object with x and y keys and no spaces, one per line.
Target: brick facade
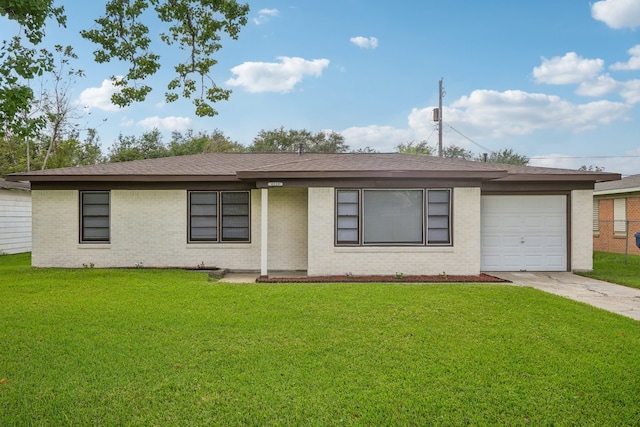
{"x":461,"y":258}
{"x":605,"y":240}
{"x":149,"y":227}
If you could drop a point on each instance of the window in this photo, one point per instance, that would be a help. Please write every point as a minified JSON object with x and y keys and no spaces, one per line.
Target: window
{"x":94,"y":216}
{"x":393,"y":217}
{"x":596,"y":216}
{"x":620,"y":216}
{"x":219,"y":216}
{"x":438,"y":221}
{"x":348,"y":213}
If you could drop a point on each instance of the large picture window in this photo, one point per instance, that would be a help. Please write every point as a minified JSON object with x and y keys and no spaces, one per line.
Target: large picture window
{"x":393,"y":217}
{"x":94,"y":217}
{"x":219,"y":216}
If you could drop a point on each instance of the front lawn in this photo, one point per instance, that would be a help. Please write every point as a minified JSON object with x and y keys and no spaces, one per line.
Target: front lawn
{"x":613,"y":268}
{"x":148,"y":347}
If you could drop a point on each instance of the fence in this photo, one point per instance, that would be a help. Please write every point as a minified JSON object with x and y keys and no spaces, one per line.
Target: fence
{"x":617,"y":236}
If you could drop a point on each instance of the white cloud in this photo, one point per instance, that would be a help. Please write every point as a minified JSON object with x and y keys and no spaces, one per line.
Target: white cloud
{"x":99,"y":97}
{"x":382,"y":138}
{"x":514,"y":112}
{"x":275,"y":76}
{"x":631,"y":91}
{"x":633,"y":63}
{"x":170,"y":123}
{"x":264,"y":15}
{"x":569,"y":69}
{"x":365,"y":42}
{"x":487,"y":114}
{"x":617,"y":13}
{"x":599,"y":86}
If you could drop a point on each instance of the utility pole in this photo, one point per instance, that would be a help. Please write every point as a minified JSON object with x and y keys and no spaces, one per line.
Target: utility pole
{"x":440,"y":118}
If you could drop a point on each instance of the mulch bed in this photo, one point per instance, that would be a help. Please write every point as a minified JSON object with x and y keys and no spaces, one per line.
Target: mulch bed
{"x":481,"y":278}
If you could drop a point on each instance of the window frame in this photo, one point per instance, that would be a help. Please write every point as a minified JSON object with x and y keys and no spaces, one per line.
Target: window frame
{"x":448,"y":241}
{"x":620,"y":216}
{"x":424,"y":221}
{"x":219,"y":217}
{"x":82,"y":217}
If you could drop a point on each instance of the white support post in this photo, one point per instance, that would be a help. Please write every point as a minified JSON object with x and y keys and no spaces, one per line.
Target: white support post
{"x":264,"y":226}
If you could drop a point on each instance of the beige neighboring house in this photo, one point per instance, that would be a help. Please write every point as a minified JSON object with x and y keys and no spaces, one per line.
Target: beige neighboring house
{"x":325,"y":214}
{"x":15,"y":217}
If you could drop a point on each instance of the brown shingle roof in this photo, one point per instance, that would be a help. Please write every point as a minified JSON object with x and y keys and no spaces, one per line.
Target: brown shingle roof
{"x":628,"y":183}
{"x":7,"y":185}
{"x":249,"y":166}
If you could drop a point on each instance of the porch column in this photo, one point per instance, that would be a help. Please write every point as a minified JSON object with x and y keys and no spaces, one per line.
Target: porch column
{"x":264,"y":233}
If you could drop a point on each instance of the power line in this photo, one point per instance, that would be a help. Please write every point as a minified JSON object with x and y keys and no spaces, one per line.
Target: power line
{"x":545,"y":157}
{"x":469,"y":139}
{"x":582,"y":157}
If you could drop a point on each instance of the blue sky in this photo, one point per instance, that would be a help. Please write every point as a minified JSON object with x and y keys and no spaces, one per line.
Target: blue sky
{"x":558,"y":81}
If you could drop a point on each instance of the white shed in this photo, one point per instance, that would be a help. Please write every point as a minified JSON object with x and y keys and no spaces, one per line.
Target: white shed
{"x":15,"y":217}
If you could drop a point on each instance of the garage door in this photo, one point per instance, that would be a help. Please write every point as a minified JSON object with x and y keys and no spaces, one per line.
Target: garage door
{"x":524,"y":233}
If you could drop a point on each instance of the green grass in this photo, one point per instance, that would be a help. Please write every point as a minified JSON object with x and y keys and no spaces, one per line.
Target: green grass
{"x":145,"y":347}
{"x":613,"y":268}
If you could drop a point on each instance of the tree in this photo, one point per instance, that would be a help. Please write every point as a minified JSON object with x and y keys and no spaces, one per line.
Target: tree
{"x":216,"y":142}
{"x":194,"y":26}
{"x":456,"y":152}
{"x":55,"y":104}
{"x":423,"y":148}
{"x":22,"y":60}
{"x":506,"y":155}
{"x":365,"y":150}
{"x":281,"y":140}
{"x":591,"y":168}
{"x":148,"y":146}
{"x":73,"y":152}
{"x":70,"y":151}
{"x":413,"y":147}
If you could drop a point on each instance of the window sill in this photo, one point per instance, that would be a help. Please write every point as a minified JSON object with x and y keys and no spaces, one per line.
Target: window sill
{"x":218,"y":245}
{"x":94,"y":246}
{"x":392,"y":249}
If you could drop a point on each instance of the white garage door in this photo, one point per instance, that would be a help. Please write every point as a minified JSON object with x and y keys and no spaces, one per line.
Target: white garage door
{"x":524,"y":233}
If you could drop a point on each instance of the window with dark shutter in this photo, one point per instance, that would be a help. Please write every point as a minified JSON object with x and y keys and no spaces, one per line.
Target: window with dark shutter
{"x":94,"y":214}
{"x":219,"y":216}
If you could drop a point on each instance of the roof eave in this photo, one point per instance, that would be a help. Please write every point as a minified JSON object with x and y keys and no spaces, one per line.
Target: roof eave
{"x":616,"y":191}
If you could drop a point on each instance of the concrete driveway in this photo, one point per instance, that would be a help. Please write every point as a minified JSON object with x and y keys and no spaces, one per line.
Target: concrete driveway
{"x":608,"y":296}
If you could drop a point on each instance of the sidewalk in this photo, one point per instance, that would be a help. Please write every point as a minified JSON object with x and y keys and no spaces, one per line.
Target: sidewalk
{"x":608,"y":296}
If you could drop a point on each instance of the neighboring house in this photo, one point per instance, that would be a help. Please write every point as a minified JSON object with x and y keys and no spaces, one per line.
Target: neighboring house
{"x":325,"y":214}
{"x":15,"y":217}
{"x":616,"y":215}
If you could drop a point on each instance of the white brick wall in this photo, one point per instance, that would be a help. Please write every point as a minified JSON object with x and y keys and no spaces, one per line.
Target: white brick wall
{"x":461,"y":258}
{"x":287,"y":229}
{"x":582,"y":230}
{"x":15,"y":221}
{"x":148,"y":227}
